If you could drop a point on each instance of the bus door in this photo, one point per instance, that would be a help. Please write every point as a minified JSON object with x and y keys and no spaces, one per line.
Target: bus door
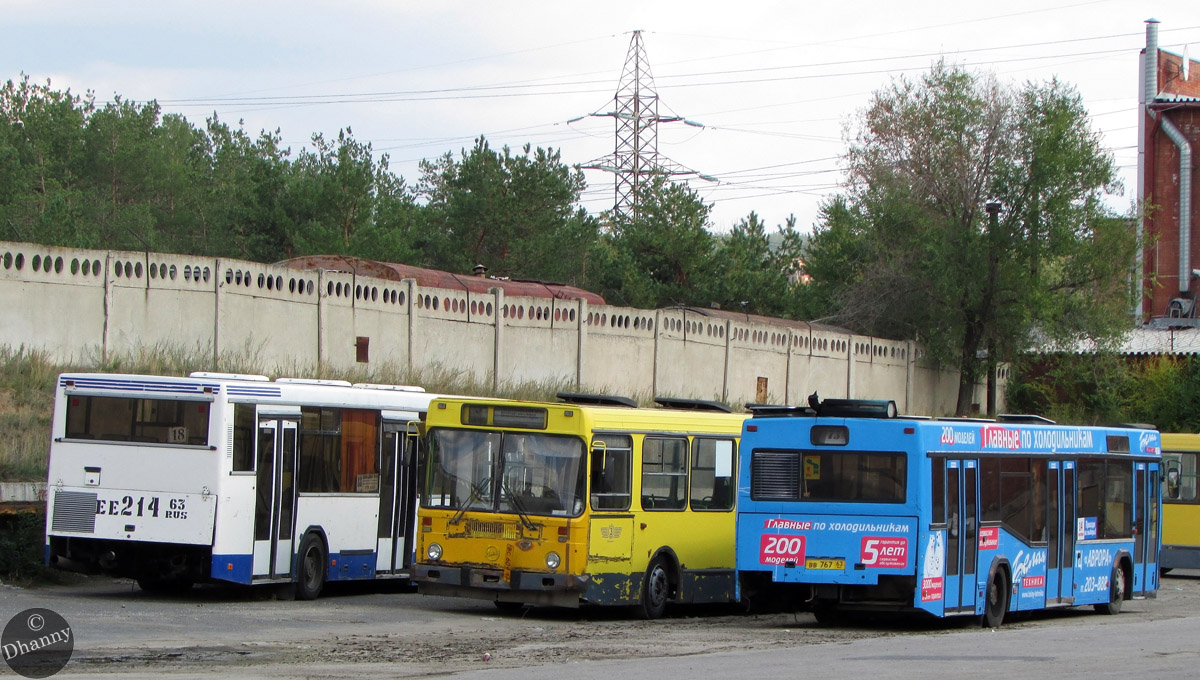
{"x":1060,"y":532}
{"x":275,"y":506}
{"x":1145,"y":486}
{"x":1154,"y":519}
{"x":397,"y":498}
{"x":962,"y":540}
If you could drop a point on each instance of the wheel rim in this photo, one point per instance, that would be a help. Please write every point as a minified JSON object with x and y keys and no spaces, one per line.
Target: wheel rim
{"x":656,"y":589}
{"x":312,"y":568}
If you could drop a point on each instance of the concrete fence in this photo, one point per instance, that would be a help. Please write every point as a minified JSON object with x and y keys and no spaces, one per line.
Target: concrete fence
{"x":75,"y":303}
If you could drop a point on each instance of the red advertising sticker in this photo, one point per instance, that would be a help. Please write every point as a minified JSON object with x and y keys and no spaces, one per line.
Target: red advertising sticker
{"x":884,"y":552}
{"x":773,"y":549}
{"x":989,"y":538}
{"x":1033,"y":582}
{"x":931,"y":589}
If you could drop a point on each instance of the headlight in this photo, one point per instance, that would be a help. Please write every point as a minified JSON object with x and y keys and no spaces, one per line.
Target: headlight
{"x":435,"y":552}
{"x":553,"y":560}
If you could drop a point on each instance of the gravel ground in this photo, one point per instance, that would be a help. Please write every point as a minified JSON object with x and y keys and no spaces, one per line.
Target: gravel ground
{"x":229,"y":631}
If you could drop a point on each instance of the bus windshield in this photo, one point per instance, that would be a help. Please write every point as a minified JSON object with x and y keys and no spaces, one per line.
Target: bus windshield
{"x":511,"y":472}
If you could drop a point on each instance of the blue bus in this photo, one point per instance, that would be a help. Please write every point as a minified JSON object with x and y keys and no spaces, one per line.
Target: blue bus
{"x":844,"y":506}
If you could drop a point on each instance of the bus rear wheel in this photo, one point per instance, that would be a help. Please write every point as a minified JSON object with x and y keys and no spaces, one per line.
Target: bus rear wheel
{"x":656,"y":590}
{"x":1116,"y":592}
{"x":311,"y":566}
{"x":996,"y":605}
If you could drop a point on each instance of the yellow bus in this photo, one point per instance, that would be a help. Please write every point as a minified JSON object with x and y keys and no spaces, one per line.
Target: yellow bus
{"x":1181,"y":502}
{"x":586,"y":501}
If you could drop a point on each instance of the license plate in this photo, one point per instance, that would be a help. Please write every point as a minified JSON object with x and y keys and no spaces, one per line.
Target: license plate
{"x":817,"y":563}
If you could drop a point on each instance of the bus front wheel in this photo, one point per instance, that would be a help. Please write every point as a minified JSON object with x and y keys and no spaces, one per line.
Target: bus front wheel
{"x":656,"y":590}
{"x":1116,"y":592}
{"x":311,"y":565}
{"x":996,"y":604}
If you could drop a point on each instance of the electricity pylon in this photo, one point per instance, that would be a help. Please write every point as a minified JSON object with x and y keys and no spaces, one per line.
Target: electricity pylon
{"x":635,"y":112}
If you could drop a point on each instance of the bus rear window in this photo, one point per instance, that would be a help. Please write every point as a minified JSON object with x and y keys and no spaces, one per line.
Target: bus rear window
{"x":828,"y":476}
{"x":126,"y":419}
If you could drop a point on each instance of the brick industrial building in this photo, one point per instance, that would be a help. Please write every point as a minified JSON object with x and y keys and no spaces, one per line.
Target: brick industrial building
{"x":1169,"y":126}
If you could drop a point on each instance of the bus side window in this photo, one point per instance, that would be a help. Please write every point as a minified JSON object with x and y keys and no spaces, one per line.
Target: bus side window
{"x":1187,"y":477}
{"x":938,"y":515}
{"x":244,"y":429}
{"x":664,"y":473}
{"x":712,"y":474}
{"x":610,"y":472}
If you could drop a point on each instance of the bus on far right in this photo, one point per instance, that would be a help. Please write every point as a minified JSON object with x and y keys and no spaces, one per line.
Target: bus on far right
{"x":845,"y":507}
{"x":1181,"y":502}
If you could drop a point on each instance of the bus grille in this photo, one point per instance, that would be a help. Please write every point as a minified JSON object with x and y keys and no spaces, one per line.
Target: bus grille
{"x":774,"y":475}
{"x":74,"y":511}
{"x":478,"y":529}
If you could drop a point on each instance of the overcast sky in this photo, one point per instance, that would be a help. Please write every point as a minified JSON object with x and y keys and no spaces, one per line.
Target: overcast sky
{"x":773,"y":83}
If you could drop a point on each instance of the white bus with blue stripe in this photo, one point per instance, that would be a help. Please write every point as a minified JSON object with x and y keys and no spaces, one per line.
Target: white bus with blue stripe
{"x":233,"y":478}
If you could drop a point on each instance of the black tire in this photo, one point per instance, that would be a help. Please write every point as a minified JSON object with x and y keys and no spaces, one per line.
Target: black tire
{"x":1116,"y":592}
{"x":996,"y":604}
{"x":656,"y":590}
{"x":310,"y":568}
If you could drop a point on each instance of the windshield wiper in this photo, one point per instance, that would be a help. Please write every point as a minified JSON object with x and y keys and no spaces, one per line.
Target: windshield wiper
{"x":476,"y":494}
{"x":519,"y":506}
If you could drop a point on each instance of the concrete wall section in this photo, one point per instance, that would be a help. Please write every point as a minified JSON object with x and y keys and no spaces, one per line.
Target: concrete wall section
{"x":618,"y":358}
{"x":690,"y":360}
{"x":881,"y":368}
{"x":535,"y":349}
{"x":71,"y":303}
{"x":159,"y":300}
{"x":828,"y":371}
{"x":380,"y":323}
{"x":265,"y":312}
{"x":758,"y":366}
{"x":56,"y":306}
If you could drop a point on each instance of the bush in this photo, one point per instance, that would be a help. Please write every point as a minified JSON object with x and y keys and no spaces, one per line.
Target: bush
{"x":22,"y":544}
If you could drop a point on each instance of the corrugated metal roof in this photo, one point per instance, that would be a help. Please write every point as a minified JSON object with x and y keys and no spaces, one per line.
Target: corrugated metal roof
{"x":1151,"y":341}
{"x":434,"y":278}
{"x":1168,"y":98}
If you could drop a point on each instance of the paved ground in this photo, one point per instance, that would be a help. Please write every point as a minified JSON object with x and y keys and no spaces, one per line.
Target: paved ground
{"x":230,"y":631}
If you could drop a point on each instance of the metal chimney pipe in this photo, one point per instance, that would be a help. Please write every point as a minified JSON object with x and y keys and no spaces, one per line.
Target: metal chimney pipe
{"x":1150,"y":64}
{"x":1185,"y":203}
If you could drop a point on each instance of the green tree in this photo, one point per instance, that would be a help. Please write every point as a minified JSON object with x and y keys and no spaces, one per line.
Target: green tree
{"x":661,"y":256}
{"x":927,"y":158}
{"x":331,"y":194}
{"x":752,"y":275}
{"x":41,"y":151}
{"x":245,"y":213}
{"x":518,"y":214}
{"x":121,"y":163}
